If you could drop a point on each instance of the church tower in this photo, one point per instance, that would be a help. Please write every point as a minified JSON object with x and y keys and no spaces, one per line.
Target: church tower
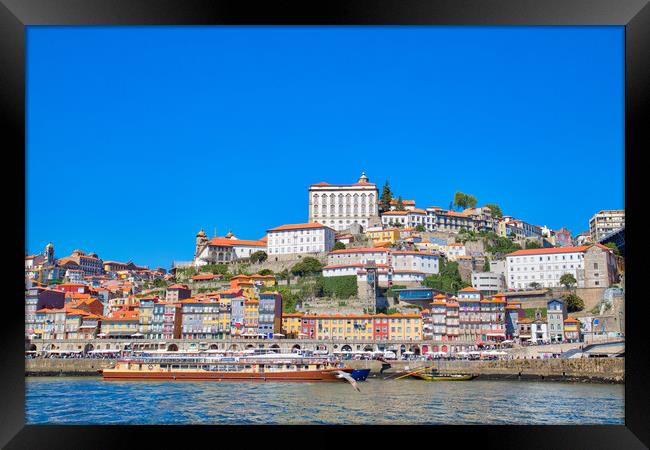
{"x":201,"y":240}
{"x":49,"y":254}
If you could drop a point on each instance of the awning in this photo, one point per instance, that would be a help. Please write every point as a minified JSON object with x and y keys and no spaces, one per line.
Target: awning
{"x":63,"y":351}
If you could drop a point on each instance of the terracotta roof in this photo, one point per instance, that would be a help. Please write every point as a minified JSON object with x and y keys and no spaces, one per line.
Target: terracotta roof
{"x":178,"y":286}
{"x":469,"y":289}
{"x":229,"y":291}
{"x":207,"y":276}
{"x":357,"y":250}
{"x":545,"y":251}
{"x":395,"y":213}
{"x":299,"y":226}
{"x":406,"y":252}
{"x":339,"y":266}
{"x":225,"y":242}
{"x":571,"y":319}
{"x":440,"y":296}
{"x":124,"y":315}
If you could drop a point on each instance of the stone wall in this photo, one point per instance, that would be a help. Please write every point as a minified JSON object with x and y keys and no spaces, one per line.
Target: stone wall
{"x":609,"y":370}
{"x":584,"y":369}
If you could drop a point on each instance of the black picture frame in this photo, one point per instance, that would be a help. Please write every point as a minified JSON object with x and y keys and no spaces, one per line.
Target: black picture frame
{"x":15,"y":15}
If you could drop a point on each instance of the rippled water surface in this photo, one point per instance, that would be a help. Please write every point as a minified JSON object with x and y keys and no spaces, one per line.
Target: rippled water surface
{"x":95,"y":401}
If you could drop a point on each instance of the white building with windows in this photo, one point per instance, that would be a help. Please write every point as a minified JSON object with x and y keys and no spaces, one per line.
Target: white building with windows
{"x":407,"y":218}
{"x":606,"y":222}
{"x":488,"y":283}
{"x":510,"y":226}
{"x":340,"y":205}
{"x":349,"y":256}
{"x":223,"y":250}
{"x":544,"y":266}
{"x":299,"y":238}
{"x":454,"y":250}
{"x":423,"y":262}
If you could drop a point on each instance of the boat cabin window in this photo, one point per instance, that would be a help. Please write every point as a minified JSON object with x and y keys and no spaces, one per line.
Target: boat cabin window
{"x":175,"y":366}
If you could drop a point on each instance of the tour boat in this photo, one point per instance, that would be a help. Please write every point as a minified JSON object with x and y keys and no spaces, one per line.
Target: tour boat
{"x":272,"y":367}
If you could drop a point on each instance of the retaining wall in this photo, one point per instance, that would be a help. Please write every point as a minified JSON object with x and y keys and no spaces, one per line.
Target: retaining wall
{"x":603,"y":370}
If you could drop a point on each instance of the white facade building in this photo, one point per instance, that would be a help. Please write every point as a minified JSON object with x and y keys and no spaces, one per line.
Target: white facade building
{"x":606,"y":222}
{"x":223,"y":250}
{"x":453,"y":251}
{"x":358,"y":256}
{"x":300,"y":238}
{"x":544,"y":266}
{"x":408,"y":218}
{"x":591,"y":266}
{"x":421,"y":262}
{"x":340,"y":205}
{"x":488,"y":282}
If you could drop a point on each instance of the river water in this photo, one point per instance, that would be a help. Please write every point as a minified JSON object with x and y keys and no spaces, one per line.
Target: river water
{"x":91,"y":400}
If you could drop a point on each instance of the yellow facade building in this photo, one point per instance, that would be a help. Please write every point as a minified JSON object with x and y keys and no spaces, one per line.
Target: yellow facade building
{"x":405,"y":327}
{"x":291,"y":323}
{"x":251,"y":316}
{"x":381,"y":237}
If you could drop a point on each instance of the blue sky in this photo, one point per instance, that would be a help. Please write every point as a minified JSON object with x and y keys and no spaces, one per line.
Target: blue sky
{"x":137,"y":137}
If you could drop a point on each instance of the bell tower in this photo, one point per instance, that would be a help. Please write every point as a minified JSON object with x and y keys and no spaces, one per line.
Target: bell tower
{"x":201,"y":240}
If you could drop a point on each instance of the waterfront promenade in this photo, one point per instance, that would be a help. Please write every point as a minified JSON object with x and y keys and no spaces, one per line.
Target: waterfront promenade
{"x":419,"y":347}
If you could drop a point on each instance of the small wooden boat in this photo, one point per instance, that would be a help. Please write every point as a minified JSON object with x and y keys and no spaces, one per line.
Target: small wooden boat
{"x":438,"y":377}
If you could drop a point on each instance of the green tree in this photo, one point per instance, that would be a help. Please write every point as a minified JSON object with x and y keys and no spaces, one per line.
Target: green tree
{"x":339,"y":287}
{"x":460,"y":200}
{"x":496,"y":209}
{"x":307,"y":266}
{"x":265,"y":272}
{"x":463,"y":201}
{"x":533,"y":244}
{"x":573,"y":303}
{"x":400,"y":204}
{"x":259,"y":256}
{"x":568,"y":280}
{"x":216,"y":268}
{"x":535,"y":285}
{"x":614,"y":248}
{"x":386,"y":197}
{"x":338,"y":245}
{"x":420,"y":228}
{"x":447,"y":279}
{"x":159,"y":283}
{"x":486,"y":265}
{"x":285,"y":275}
{"x":500,"y":245}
